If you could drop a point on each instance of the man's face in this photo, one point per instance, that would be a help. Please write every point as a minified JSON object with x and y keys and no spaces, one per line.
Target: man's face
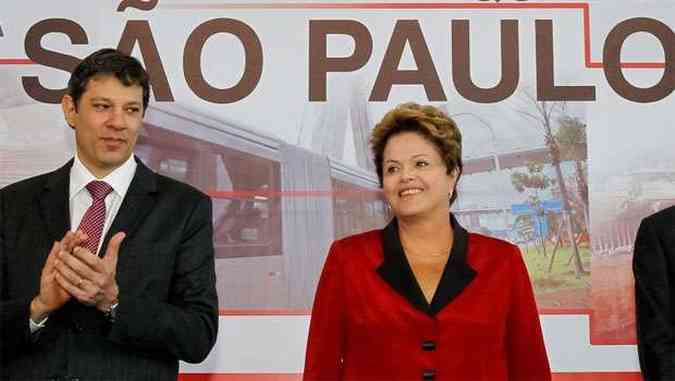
{"x":106,"y":123}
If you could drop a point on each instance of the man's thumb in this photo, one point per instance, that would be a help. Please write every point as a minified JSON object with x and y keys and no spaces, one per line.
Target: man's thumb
{"x":114,"y":247}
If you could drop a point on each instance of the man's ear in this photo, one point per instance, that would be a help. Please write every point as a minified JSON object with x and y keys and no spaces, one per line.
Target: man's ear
{"x":69,"y":110}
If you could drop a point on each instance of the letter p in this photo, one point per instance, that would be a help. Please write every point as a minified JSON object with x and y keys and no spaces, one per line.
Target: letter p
{"x":320,"y":64}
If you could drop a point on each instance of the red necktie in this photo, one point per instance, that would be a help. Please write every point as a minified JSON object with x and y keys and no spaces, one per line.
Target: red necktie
{"x":94,"y":218}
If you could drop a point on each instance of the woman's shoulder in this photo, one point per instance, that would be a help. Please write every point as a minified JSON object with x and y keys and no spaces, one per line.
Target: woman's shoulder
{"x":359,"y":245}
{"x":483,"y":248}
{"x":359,"y":240}
{"x":485,"y":253}
{"x":491,"y":242}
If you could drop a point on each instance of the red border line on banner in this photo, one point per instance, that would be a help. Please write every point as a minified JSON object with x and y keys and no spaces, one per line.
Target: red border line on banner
{"x":562,"y":376}
{"x":16,"y":61}
{"x":267,"y":312}
{"x":565,"y":311}
{"x":373,"y":5}
{"x":240,"y":377}
{"x":584,"y":7}
{"x":596,"y":376}
{"x":245,"y":194}
{"x":306,"y":312}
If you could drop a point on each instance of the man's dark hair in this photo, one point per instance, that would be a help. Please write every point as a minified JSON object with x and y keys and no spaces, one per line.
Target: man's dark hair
{"x":126,"y":69}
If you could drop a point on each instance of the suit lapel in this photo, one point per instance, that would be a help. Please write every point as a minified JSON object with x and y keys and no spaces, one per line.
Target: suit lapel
{"x":396,"y":271}
{"x":457,"y":273}
{"x":54,"y":203}
{"x":138,"y":202}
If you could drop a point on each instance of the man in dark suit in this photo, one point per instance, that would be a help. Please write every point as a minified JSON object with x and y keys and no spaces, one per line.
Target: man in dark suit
{"x":654,"y":270}
{"x":148,"y":298}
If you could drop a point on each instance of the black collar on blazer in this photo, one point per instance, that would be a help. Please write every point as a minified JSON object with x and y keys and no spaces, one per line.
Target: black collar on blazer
{"x":396,"y":271}
{"x":137,"y":203}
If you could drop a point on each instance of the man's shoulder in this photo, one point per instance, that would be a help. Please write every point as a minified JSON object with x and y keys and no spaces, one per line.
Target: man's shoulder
{"x":26,"y":187}
{"x":664,"y":218}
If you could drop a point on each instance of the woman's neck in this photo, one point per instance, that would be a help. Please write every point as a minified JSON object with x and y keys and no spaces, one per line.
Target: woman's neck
{"x":428,"y":235}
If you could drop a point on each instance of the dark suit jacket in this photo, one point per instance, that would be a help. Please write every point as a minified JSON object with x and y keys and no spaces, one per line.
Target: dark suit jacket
{"x":370,"y":319}
{"x":167,"y":302}
{"x":654,"y":270}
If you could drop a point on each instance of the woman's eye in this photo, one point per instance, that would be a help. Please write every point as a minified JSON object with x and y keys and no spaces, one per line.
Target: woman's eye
{"x":391,"y":169}
{"x":422,"y":164}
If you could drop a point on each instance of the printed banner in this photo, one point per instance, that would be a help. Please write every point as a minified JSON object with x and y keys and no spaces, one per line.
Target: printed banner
{"x":565,"y":109}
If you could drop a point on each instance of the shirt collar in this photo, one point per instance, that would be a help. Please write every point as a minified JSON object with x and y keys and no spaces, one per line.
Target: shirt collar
{"x":119,"y":179}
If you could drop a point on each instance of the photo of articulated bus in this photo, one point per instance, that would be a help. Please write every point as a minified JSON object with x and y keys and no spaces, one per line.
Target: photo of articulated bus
{"x":276,"y":206}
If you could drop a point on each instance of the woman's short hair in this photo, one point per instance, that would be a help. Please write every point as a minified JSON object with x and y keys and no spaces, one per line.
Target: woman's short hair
{"x":428,"y":121}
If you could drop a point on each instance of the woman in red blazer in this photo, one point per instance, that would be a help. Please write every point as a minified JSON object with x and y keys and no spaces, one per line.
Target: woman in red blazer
{"x":423,"y":299}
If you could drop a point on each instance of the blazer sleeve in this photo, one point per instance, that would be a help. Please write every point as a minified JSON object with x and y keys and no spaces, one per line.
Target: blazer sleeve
{"x":525,"y":349}
{"x":323,"y":359}
{"x":14,"y":314}
{"x":187,"y":325}
{"x":654,"y":310}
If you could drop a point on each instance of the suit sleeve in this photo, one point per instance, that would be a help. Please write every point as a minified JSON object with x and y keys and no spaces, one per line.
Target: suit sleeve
{"x":187,"y":325}
{"x":653,"y":305}
{"x":14,"y":314}
{"x":323,"y":359}
{"x":525,"y":350}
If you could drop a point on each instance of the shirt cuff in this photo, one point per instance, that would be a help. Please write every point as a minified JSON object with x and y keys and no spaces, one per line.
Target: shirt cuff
{"x":34,"y":327}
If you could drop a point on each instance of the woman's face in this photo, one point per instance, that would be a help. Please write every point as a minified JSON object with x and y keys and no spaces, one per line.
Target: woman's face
{"x":414,"y":178}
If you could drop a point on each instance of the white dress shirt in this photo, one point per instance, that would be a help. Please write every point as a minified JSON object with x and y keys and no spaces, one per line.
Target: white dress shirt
{"x":80,"y":199}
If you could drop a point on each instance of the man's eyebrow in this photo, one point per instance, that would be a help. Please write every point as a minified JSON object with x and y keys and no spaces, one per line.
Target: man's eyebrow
{"x":106,"y":99}
{"x":100,"y":98}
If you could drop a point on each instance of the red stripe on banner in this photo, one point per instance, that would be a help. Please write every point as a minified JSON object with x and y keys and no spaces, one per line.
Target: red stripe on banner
{"x":564,"y":311}
{"x":584,"y":7}
{"x":597,"y":376}
{"x":306,"y":312}
{"x":275,"y":312}
{"x":16,"y":61}
{"x":300,"y":193}
{"x":383,"y":5}
{"x":586,"y":14}
{"x":630,"y":65}
{"x":567,"y":376}
{"x":239,"y":377}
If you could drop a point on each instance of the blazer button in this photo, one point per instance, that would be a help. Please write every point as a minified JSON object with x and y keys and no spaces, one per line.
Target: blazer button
{"x":429,"y":375}
{"x":428,"y":345}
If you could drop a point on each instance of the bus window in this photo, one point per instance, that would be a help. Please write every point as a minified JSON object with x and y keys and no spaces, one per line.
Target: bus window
{"x":247,"y":211}
{"x":243,"y":187}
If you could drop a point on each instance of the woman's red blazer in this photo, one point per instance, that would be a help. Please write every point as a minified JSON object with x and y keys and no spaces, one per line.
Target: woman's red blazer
{"x":370,"y":320}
